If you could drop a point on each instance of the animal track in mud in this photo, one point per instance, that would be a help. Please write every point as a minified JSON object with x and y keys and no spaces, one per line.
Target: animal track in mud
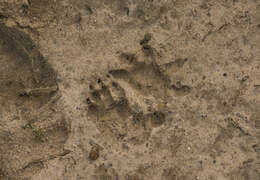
{"x":128,"y":103}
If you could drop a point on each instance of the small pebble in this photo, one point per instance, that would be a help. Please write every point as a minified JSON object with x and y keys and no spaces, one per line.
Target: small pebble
{"x":94,"y":153}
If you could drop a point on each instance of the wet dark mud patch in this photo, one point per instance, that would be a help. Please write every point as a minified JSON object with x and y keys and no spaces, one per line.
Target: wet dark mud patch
{"x":29,"y":131}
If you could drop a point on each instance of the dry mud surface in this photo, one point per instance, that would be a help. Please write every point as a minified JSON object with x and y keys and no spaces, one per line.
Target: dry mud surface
{"x":129,"y":89}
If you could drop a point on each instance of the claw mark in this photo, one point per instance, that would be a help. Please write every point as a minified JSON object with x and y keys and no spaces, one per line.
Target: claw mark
{"x":180,"y":89}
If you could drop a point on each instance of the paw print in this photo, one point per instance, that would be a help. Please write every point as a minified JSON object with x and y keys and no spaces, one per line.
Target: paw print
{"x":129,"y":102}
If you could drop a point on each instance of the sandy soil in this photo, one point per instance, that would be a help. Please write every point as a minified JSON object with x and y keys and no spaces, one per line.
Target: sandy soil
{"x":129,"y":89}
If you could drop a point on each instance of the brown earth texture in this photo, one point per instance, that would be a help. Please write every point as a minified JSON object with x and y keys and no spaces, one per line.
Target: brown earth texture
{"x":129,"y":90}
